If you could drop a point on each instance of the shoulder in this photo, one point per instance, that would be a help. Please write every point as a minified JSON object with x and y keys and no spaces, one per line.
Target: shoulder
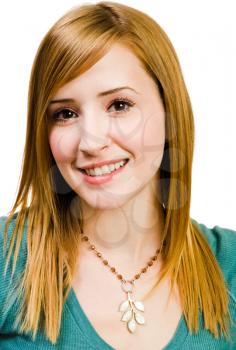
{"x":223,"y":244}
{"x":222,"y":241}
{"x":7,"y":239}
{"x":10,"y":229}
{"x":6,"y":278}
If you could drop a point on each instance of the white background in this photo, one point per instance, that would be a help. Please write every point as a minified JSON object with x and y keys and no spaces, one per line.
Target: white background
{"x":203,"y":34}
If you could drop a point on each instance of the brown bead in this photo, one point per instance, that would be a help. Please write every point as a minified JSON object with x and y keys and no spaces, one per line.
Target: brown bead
{"x":105,"y":262}
{"x":113,"y":269}
{"x":99,"y":255}
{"x":85,"y":238}
{"x":154,"y":258}
{"x":137,"y":276}
{"x":144,"y":269}
{"x":150,"y":263}
{"x":92,"y":247}
{"x":120,"y":277}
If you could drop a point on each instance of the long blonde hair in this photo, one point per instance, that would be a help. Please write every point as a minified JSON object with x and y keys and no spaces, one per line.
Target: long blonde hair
{"x":72,"y":46}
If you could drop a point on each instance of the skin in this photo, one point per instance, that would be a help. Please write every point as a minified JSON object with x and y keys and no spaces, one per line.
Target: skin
{"x":124,"y":217}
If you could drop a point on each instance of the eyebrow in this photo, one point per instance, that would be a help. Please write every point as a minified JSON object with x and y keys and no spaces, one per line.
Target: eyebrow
{"x":100,"y":94}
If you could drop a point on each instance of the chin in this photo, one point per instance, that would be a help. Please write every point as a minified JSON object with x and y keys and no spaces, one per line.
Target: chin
{"x":105,"y":202}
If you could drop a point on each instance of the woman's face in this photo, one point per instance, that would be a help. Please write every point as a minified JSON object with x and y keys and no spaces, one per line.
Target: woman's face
{"x":90,"y":127}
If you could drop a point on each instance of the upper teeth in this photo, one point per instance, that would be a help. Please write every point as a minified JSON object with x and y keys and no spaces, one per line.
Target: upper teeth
{"x":105,"y":169}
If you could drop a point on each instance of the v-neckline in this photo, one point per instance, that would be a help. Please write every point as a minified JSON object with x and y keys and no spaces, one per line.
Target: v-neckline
{"x":180,"y":336}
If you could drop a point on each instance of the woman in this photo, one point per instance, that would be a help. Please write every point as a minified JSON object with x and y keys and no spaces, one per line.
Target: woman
{"x":107,"y":176}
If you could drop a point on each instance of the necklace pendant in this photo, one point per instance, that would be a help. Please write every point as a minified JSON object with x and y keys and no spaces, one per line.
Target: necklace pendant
{"x":131,"y":314}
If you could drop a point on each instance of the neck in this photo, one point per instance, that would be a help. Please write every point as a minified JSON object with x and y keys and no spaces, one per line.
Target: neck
{"x":126,"y":236}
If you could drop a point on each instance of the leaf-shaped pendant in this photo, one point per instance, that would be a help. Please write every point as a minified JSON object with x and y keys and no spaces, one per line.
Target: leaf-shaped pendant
{"x":131,"y":325}
{"x":139,"y":305}
{"x":139,"y":318}
{"x":131,"y":316}
{"x":127,"y":316}
{"x":124,"y":306}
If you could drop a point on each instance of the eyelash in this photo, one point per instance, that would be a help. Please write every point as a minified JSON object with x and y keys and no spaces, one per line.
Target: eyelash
{"x":125,"y":100}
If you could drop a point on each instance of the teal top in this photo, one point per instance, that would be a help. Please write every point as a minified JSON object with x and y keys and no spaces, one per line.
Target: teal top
{"x":77,"y":331}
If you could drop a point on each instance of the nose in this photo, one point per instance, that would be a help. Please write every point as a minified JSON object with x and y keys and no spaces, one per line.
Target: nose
{"x":93,"y":137}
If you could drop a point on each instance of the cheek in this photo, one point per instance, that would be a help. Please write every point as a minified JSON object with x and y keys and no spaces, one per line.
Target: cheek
{"x":148,"y":134}
{"x":153,"y":139}
{"x":154,"y":132}
{"x":63,"y":142}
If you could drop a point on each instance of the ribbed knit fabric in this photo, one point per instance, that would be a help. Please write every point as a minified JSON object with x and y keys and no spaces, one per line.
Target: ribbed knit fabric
{"x":77,"y":332}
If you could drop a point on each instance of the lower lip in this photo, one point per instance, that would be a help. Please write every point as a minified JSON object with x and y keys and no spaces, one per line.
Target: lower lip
{"x":102,"y":179}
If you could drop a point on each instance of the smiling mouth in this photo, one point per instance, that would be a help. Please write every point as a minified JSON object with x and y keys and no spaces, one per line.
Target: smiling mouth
{"x":113,"y":171}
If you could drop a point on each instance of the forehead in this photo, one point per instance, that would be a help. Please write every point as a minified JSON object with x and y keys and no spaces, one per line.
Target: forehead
{"x":118,"y":67}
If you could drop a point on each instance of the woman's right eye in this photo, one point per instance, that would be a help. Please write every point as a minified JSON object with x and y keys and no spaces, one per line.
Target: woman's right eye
{"x":63,"y":115}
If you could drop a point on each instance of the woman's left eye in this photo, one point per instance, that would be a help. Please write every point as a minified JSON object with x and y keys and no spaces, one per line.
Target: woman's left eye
{"x":122,"y":102}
